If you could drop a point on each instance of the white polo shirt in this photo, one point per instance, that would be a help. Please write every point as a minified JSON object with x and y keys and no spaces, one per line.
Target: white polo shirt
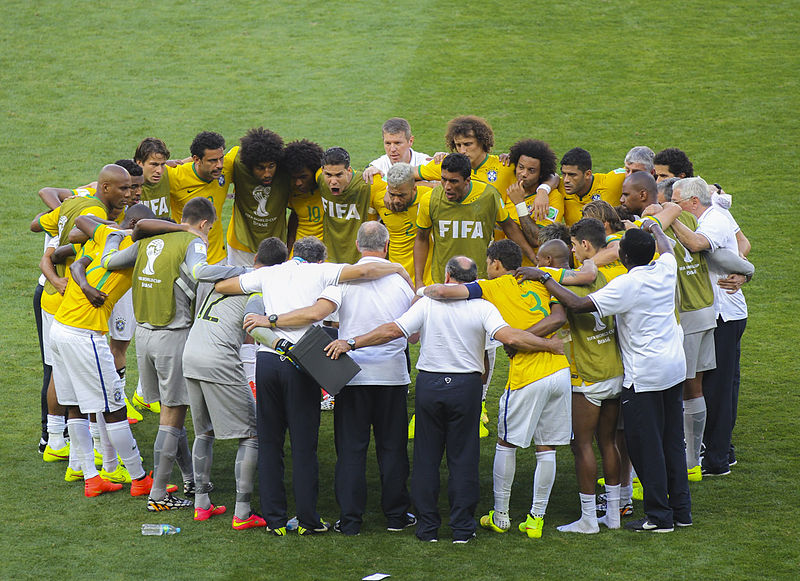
{"x":383,"y":163}
{"x":719,"y":228}
{"x":650,"y":339}
{"x":453,"y":333}
{"x":365,"y":305}
{"x":288,"y":286}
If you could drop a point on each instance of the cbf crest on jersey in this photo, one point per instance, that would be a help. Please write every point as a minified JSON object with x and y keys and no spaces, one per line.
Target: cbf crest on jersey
{"x":221,"y":180}
{"x":596,"y":197}
{"x":491,"y":175}
{"x":153,"y":250}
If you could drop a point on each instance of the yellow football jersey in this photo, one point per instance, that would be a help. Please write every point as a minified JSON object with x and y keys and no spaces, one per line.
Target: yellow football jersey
{"x":308,"y":209}
{"x":185,"y":185}
{"x":54,"y":224}
{"x":75,"y":309}
{"x":490,"y":171}
{"x":402,"y":227}
{"x":605,"y":186}
{"x":522,"y":305}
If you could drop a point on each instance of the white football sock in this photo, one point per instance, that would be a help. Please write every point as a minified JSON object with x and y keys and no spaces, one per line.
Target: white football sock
{"x":81,"y":438}
{"x":121,"y":437}
{"x":55,"y":431}
{"x":612,"y":517}
{"x":694,"y":424}
{"x":505,"y":465}
{"x":587,"y":524}
{"x":107,"y":449}
{"x":625,"y":494}
{"x":543,"y":479}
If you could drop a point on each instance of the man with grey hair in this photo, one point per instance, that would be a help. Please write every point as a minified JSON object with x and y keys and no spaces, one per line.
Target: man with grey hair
{"x":448,"y":394}
{"x":640,"y":158}
{"x":665,"y":190}
{"x":397,"y":142}
{"x":716,"y":230}
{"x":286,"y":397}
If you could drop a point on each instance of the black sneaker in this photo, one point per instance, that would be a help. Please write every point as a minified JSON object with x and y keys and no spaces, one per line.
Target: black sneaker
{"x":717,"y":472}
{"x":644,"y":525}
{"x":337,"y":528}
{"x":323,"y":527}
{"x":465,"y":541}
{"x":411,"y":520}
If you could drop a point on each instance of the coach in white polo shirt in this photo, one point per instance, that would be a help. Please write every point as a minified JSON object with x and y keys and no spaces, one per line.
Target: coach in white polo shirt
{"x":287,"y":397}
{"x":716,"y":230}
{"x":651,"y":343}
{"x":448,"y":394}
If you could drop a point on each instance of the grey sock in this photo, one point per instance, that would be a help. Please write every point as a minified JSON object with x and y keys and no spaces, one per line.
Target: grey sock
{"x":164,"y":450}
{"x":202,"y":456}
{"x":184,"y":457}
{"x":246,"y":461}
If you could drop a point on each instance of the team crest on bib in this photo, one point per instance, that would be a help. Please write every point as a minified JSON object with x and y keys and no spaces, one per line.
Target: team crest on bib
{"x":491,"y":176}
{"x":119,"y":324}
{"x":221,"y":180}
{"x":595,"y":197}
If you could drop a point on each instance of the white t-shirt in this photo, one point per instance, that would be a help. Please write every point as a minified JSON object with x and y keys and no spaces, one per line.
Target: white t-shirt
{"x":364,"y":306}
{"x":453,"y":333}
{"x":383,"y":163}
{"x":650,"y":339}
{"x":288,"y":286}
{"x":719,"y":228}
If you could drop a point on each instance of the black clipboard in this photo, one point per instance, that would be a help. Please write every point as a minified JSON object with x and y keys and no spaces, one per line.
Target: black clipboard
{"x":309,"y":354}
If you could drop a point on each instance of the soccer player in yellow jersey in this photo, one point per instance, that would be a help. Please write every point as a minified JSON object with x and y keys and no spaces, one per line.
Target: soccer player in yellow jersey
{"x":208,"y":176}
{"x":397,"y":207}
{"x":459,"y":216}
{"x":152,"y":156}
{"x":302,"y":160}
{"x":262,"y":191}
{"x":672,"y":163}
{"x":536,"y":402}
{"x":580,"y":186}
{"x":472,"y":136}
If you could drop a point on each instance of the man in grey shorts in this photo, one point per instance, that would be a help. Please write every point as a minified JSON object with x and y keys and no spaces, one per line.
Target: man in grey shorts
{"x":165,"y":273}
{"x":221,"y":401}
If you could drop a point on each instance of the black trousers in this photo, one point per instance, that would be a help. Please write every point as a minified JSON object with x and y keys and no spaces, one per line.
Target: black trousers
{"x":721,"y":391}
{"x":47,"y":370}
{"x":287,"y":398}
{"x":654,"y":434}
{"x":448,"y":409}
{"x":383,"y":409}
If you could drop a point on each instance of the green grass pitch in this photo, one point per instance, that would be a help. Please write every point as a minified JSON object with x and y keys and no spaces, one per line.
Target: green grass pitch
{"x":81,"y":83}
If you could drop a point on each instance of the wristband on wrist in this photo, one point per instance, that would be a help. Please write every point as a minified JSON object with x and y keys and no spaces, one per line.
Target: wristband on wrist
{"x":522,"y":209}
{"x":545,"y":277}
{"x":421,"y":291}
{"x":545,"y":187}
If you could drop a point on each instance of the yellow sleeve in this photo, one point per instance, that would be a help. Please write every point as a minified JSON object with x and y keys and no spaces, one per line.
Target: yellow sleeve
{"x":502,"y":212}
{"x":431,"y":171}
{"x":424,"y":212}
{"x":49,"y":221}
{"x":227,"y":163}
{"x":95,"y":211}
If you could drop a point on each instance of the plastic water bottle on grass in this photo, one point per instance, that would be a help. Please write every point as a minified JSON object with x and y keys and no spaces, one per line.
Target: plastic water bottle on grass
{"x":159,"y":530}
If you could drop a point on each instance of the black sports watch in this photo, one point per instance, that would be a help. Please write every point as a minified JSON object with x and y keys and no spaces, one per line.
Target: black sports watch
{"x":545,"y":277}
{"x":273,"y":319}
{"x":352,"y":343}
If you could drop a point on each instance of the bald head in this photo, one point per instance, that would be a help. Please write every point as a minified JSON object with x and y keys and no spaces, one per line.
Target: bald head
{"x":114,"y":186}
{"x":461,"y":269}
{"x":112,"y":172}
{"x":555,"y":253}
{"x":639,"y":190}
{"x":135,"y":213}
